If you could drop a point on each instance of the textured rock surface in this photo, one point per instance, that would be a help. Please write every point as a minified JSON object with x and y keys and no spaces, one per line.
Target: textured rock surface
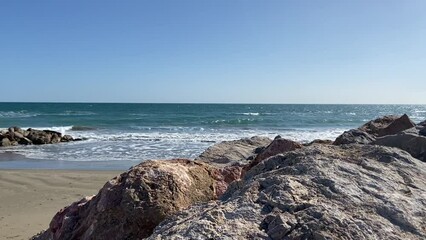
{"x":277,"y":146}
{"x":387,"y":125}
{"x":233,"y":152}
{"x":132,"y":204}
{"x":423,"y":131}
{"x":317,"y":192}
{"x":412,"y":143}
{"x":354,"y":136}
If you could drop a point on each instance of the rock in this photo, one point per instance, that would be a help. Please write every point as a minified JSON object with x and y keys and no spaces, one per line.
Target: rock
{"x":67,"y":138}
{"x":43,"y":136}
{"x":422,"y":123}
{"x":25,"y":141}
{"x":5,"y":142}
{"x":317,"y":192}
{"x":318,"y":141}
{"x":387,"y":125}
{"x":354,"y":136}
{"x":277,"y":146}
{"x":423,"y":131}
{"x":232,"y":152}
{"x":131,"y":205}
{"x":412,"y":143}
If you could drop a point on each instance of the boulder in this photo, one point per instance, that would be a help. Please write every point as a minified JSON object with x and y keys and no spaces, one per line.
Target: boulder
{"x":317,"y":192}
{"x":412,"y":143}
{"x":131,"y":205}
{"x":423,"y":131}
{"x":67,"y":138}
{"x":25,"y":141}
{"x":422,"y":123}
{"x":43,"y":136}
{"x":277,"y":146}
{"x":354,"y":136}
{"x":229,"y":153}
{"x":387,"y":125}
{"x":5,"y":142}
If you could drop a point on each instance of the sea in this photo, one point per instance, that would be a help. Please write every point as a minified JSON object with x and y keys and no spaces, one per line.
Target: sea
{"x":119,"y":135}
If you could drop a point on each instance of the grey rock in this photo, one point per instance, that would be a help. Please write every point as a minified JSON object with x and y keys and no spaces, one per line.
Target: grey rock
{"x":387,"y":125}
{"x":317,"y":192}
{"x":412,"y":143}
{"x":423,"y":131}
{"x":67,"y":138}
{"x":229,"y":153}
{"x":422,"y":123}
{"x":354,"y":136}
{"x":5,"y":142}
{"x":25,"y":141}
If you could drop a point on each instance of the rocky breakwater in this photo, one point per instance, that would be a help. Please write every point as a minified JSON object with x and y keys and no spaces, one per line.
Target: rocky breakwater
{"x":357,"y":187}
{"x":17,"y":136}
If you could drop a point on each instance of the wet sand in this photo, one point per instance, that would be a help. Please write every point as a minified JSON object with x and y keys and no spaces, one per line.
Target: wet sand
{"x":30,"y":198}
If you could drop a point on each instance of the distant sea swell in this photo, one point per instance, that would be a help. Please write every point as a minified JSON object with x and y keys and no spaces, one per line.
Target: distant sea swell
{"x":135,"y":132}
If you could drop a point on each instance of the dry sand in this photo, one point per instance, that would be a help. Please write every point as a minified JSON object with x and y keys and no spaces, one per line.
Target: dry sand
{"x":30,"y":198}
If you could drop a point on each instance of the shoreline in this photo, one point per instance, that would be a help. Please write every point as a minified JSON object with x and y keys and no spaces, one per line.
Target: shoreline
{"x":30,"y":198}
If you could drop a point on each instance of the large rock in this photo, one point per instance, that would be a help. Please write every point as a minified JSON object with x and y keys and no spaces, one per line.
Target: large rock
{"x":229,"y":153}
{"x":5,"y":142}
{"x":317,"y":192}
{"x":423,"y":131}
{"x":131,"y":205}
{"x":412,"y":143}
{"x":387,"y":125}
{"x":422,"y":123}
{"x":43,"y":136}
{"x":354,"y":136}
{"x":277,"y":146}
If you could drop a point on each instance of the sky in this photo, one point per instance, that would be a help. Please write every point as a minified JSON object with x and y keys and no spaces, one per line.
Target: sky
{"x":218,"y":51}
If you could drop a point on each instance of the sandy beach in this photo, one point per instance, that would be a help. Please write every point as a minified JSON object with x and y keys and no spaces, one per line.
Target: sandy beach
{"x":30,"y":198}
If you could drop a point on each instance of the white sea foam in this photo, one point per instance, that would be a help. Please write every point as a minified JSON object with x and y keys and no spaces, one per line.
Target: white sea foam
{"x":18,"y":114}
{"x":250,"y":113}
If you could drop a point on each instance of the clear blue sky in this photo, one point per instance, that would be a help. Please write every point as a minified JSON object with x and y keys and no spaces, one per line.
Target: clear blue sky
{"x":336,"y":51}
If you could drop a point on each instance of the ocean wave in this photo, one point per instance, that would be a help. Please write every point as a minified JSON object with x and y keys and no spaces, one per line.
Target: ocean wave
{"x":17,"y":114}
{"x":234,"y":121}
{"x":73,"y":113}
{"x":250,"y":114}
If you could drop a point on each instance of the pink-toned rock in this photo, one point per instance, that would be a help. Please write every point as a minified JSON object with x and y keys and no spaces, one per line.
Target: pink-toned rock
{"x":225,"y":176}
{"x":132,"y":204}
{"x":277,"y":146}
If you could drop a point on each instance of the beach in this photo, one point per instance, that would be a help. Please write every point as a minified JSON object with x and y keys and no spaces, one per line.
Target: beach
{"x":30,"y":198}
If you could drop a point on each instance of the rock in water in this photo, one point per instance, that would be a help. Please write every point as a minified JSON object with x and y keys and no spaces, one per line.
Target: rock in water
{"x":131,"y":205}
{"x":317,"y":192}
{"x":354,"y":136}
{"x":232,"y":152}
{"x":387,"y":125}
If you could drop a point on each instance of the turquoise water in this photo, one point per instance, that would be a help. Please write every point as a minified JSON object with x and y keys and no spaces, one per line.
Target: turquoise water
{"x":121,"y":135}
